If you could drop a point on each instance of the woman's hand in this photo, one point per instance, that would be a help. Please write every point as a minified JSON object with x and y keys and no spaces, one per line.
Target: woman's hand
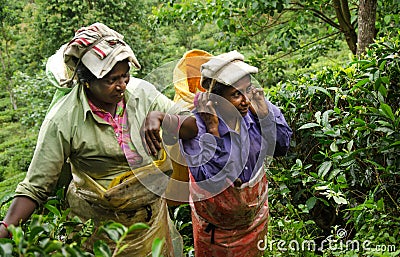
{"x":206,"y":109}
{"x":150,"y":132}
{"x":258,"y":106}
{"x":174,"y":126}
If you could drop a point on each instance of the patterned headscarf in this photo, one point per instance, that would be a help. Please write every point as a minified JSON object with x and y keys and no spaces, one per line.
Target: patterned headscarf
{"x":99,"y":48}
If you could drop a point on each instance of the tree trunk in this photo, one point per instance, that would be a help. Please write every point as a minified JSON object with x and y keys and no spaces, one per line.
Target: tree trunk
{"x":9,"y":81}
{"x":366,"y":24}
{"x":12,"y":97}
{"x":346,"y":27}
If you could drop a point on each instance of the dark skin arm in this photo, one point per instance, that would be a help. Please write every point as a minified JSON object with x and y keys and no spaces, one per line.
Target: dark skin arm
{"x":150,"y":130}
{"x":20,"y":210}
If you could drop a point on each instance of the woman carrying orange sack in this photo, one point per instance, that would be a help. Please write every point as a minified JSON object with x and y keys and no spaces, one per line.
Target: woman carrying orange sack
{"x":108,"y":129}
{"x":186,"y":79}
{"x":237,"y":129}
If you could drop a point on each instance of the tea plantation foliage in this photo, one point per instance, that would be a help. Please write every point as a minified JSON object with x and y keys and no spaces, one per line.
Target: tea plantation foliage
{"x":339,"y":183}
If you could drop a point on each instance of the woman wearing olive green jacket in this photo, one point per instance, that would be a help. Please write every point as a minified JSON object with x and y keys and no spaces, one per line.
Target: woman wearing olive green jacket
{"x":108,"y":129}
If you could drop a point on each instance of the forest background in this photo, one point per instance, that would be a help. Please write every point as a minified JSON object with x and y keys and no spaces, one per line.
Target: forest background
{"x":331,"y":66}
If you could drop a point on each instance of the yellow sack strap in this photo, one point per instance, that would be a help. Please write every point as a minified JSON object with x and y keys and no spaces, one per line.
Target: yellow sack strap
{"x":161,"y":164}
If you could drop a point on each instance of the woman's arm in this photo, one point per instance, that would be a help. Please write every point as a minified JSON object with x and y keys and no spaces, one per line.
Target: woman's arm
{"x":20,"y":210}
{"x":174,"y":126}
{"x":259,"y":108}
{"x":283,"y":133}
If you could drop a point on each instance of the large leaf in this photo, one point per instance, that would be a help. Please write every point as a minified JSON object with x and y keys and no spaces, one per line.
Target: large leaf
{"x":309,"y":125}
{"x":387,"y":111}
{"x":101,"y":249}
{"x":53,"y":209}
{"x":156,"y":247}
{"x":137,"y":226}
{"x":311,"y":202}
{"x":324,"y":168}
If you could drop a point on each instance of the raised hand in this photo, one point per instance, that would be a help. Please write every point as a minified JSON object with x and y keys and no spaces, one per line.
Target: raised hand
{"x":206,"y":109}
{"x":150,"y":132}
{"x":258,"y":106}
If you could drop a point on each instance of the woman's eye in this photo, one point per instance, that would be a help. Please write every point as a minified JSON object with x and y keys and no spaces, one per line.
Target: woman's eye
{"x":249,"y":88}
{"x":237,"y":94}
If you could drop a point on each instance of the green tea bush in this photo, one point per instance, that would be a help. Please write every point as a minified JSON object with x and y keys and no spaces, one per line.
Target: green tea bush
{"x":33,"y":95}
{"x":342,"y":170}
{"x":340,"y":177}
{"x":20,"y":126}
{"x":52,"y":232}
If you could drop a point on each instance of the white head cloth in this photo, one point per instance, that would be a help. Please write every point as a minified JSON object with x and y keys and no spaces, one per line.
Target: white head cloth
{"x":227,"y":68}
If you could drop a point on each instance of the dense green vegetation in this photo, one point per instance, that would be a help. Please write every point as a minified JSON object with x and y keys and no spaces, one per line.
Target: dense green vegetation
{"x":337,"y":188}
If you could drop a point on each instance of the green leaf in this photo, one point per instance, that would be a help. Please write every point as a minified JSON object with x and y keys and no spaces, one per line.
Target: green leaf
{"x":347,"y":163}
{"x":341,"y":179}
{"x":311,"y":202}
{"x":112,"y":234}
{"x":387,"y":111}
{"x":114,"y":230}
{"x":325,"y":118}
{"x":53,"y":209}
{"x":137,"y":226}
{"x":334,"y":173}
{"x":387,"y":19}
{"x":385,"y":80}
{"x":382,"y":89}
{"x":101,"y":249}
{"x":324,"y":168}
{"x":334,"y":147}
{"x":321,"y":89}
{"x":360,"y":121}
{"x":156,"y":247}
{"x":380,"y":204}
{"x":384,"y":130}
{"x":310,"y":125}
{"x":35,"y":232}
{"x":339,"y":200}
{"x":318,"y":117}
{"x":220,"y":23}
{"x":350,"y":145}
{"x":315,"y":31}
{"x":395,"y":143}
{"x":382,"y":67}
{"x":52,"y":246}
{"x":362,"y":82}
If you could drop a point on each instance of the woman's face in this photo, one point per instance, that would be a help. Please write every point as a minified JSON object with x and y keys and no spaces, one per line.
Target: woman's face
{"x":110,"y":89}
{"x":238,"y":96}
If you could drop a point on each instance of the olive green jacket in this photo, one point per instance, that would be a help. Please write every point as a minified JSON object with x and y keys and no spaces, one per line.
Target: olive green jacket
{"x":71,"y":132}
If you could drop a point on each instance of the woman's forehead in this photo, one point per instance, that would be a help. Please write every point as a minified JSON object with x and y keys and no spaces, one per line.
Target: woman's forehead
{"x":243,"y":82}
{"x":122,"y":66}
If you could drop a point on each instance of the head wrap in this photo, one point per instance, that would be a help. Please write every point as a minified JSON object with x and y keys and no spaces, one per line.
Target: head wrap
{"x":99,"y":48}
{"x":227,"y":68}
